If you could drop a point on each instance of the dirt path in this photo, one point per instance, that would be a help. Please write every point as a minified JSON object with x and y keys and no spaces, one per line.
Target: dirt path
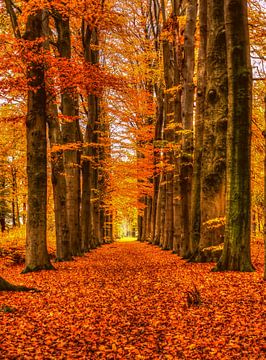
{"x":128,"y":301}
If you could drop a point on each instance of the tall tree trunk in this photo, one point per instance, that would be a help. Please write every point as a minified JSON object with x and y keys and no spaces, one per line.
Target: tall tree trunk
{"x":71,"y":135}
{"x":157,"y":158}
{"x":187,"y":122}
{"x":24,"y":205}
{"x":86,"y":218}
{"x":87,"y":209}
{"x":236,"y":251}
{"x":63,"y":246}
{"x":169,"y":133}
{"x":171,"y":62}
{"x":16,"y":200}
{"x":141,"y":197}
{"x":95,"y":185}
{"x":198,"y":133}
{"x":149,"y":217}
{"x":14,"y":196}
{"x":37,"y":257}
{"x":90,"y":214}
{"x":3,"y":207}
{"x":140,"y":227}
{"x":264,"y":230}
{"x":154,"y":18}
{"x":213,"y":162}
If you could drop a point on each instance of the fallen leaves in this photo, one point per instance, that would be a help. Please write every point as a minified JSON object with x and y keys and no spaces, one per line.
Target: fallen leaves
{"x":128,"y":301}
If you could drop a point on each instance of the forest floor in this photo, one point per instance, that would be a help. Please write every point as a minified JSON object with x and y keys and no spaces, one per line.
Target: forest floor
{"x":128,"y":300}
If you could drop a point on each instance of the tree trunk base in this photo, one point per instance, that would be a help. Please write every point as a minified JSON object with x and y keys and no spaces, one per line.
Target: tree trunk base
{"x":69,"y":258}
{"x":208,"y":254}
{"x":6,"y":286}
{"x":243,"y":267}
{"x":29,"y":269}
{"x":186,"y":256}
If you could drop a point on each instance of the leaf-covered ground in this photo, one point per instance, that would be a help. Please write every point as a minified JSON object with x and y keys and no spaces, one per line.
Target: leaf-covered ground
{"x":129,"y":301}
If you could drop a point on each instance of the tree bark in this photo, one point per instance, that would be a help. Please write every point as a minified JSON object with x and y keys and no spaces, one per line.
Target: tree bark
{"x":90,"y":217}
{"x":3,"y":205}
{"x":171,"y":60}
{"x":187,"y":122}
{"x":37,"y":257}
{"x":58,"y":177}
{"x":213,"y":162}
{"x":198,"y":133}
{"x":264,"y":232}
{"x":71,"y":135}
{"x":14,"y":196}
{"x":157,"y":159}
{"x":236,"y":251}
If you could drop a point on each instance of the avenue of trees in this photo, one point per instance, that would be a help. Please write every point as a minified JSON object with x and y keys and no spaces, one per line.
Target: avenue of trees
{"x":120,"y":106}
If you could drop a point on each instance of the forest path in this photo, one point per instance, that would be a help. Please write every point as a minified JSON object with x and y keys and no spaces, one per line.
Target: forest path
{"x":128,"y":301}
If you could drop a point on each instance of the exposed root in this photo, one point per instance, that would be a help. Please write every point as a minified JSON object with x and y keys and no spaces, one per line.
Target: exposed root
{"x":6,"y":286}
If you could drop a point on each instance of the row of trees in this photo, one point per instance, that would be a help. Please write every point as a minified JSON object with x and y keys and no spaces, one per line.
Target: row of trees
{"x":145,"y":105}
{"x":202,"y":197}
{"x":62,"y":80}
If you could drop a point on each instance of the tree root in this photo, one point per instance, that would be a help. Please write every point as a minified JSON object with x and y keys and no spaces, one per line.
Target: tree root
{"x":6,"y":286}
{"x":29,"y":269}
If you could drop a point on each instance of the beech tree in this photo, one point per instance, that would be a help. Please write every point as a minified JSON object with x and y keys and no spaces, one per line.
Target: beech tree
{"x":236,"y":251}
{"x":187,"y":122}
{"x":264,"y":230}
{"x":214,"y":128}
{"x":37,"y":257}
{"x":198,"y":130}
{"x":71,"y":135}
{"x":36,"y":249}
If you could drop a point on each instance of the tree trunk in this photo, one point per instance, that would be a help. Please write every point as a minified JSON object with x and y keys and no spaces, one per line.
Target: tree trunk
{"x":236,"y":251}
{"x":198,"y":133}
{"x":172,"y":93}
{"x":86,"y":219}
{"x":213,"y":160}
{"x":149,"y":217}
{"x":71,"y":135}
{"x":264,"y":232}
{"x":3,"y":207}
{"x":90,"y":37}
{"x":63,"y":248}
{"x":187,"y":121}
{"x":37,"y":257}
{"x":140,"y":227}
{"x":157,"y":158}
{"x":159,"y":207}
{"x":14,"y":196}
{"x":172,"y":107}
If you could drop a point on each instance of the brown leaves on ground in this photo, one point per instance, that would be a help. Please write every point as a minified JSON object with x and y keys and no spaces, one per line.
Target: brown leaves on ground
{"x":129,"y":301}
